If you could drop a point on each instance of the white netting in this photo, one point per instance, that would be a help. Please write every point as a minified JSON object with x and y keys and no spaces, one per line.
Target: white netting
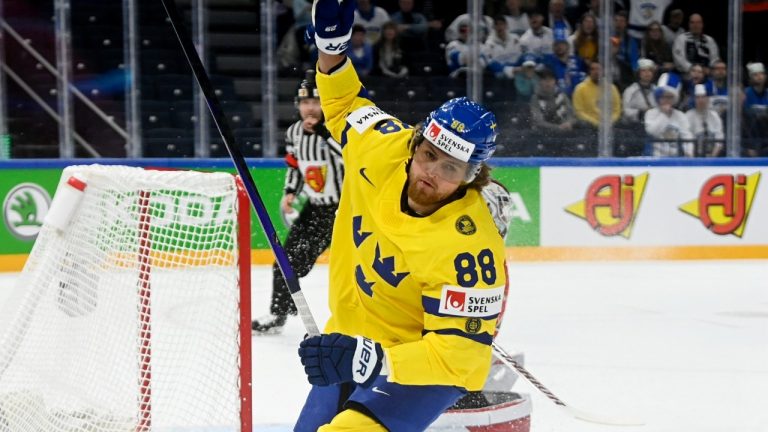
{"x":113,"y":329}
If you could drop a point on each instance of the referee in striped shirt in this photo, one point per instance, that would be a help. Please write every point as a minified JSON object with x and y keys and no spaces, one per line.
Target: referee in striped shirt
{"x":315,"y":170}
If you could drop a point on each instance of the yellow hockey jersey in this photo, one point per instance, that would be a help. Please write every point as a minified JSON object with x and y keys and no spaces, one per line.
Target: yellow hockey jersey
{"x":429,"y":289}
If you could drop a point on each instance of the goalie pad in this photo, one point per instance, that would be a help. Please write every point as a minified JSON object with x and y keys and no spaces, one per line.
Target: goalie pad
{"x":494,"y":409}
{"x":487,"y":412}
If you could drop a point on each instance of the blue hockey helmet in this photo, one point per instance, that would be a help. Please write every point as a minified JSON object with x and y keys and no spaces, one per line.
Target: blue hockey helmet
{"x":464,"y":129}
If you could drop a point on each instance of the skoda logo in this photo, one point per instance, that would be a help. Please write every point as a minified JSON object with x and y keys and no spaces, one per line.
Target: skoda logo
{"x":24,"y":209}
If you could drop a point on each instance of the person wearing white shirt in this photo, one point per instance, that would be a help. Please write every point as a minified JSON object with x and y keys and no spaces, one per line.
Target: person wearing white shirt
{"x":639,"y":97}
{"x":517,"y":20}
{"x":643,"y":13}
{"x":666,"y":126}
{"x":371,"y":17}
{"x":674,"y":27}
{"x":501,"y":50}
{"x":537,"y":41}
{"x":452,"y":32}
{"x":706,"y":125}
{"x":694,"y":46}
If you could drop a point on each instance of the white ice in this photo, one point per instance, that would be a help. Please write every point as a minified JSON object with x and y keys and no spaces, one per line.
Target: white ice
{"x":680,"y":345}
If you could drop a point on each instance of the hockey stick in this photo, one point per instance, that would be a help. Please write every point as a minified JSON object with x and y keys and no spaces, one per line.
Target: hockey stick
{"x":573,"y":412}
{"x":242,"y":168}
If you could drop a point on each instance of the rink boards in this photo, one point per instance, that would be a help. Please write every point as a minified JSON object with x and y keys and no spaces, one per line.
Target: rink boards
{"x":563,"y":209}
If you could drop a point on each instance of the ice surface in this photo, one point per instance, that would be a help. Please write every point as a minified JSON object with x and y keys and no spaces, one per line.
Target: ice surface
{"x":683,"y":345}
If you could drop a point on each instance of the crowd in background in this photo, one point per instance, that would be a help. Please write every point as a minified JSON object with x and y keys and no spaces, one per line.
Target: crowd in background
{"x":669,"y":74}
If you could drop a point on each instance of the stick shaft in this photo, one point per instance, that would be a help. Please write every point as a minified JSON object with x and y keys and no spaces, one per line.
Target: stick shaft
{"x":571,"y":411}
{"x":238,"y":160}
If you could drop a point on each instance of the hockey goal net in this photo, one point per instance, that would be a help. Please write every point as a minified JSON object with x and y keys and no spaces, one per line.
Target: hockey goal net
{"x":135,"y":313}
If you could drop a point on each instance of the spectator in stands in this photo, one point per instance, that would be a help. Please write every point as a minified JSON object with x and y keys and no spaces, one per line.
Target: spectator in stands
{"x":501,"y":51}
{"x":435,"y":23}
{"x":556,"y":20}
{"x":551,"y":110}
{"x":655,"y":47}
{"x":526,"y":81}
{"x":537,"y":40}
{"x":585,"y":42}
{"x":667,"y":127}
{"x":694,"y":46}
{"x":517,"y":20}
{"x":706,"y":125}
{"x":696,"y":76}
{"x":629,"y":48}
{"x":622,"y":74}
{"x":453,"y":31}
{"x":586,"y":98}
{"x":593,"y":7}
{"x":371,"y":17}
{"x":756,"y":112}
{"x":573,"y":10}
{"x":643,"y":13}
{"x":674,"y":26}
{"x":388,"y":53}
{"x":569,"y":69}
{"x":718,"y":98}
{"x":360,"y":51}
{"x":639,"y":98}
{"x":302,"y":13}
{"x":411,"y":26}
{"x":457,"y":51}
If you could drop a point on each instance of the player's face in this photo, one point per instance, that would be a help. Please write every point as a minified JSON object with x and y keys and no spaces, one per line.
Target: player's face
{"x":310,"y":108}
{"x":434,"y":175}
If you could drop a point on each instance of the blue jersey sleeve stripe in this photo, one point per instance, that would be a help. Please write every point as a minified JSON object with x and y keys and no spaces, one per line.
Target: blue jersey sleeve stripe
{"x":363,"y":93}
{"x":483,"y":338}
{"x":343,"y":141}
{"x":432,"y":307}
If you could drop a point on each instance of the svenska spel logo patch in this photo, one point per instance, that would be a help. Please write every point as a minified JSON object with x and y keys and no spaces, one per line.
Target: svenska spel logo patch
{"x":448,"y":141}
{"x":471,"y":302}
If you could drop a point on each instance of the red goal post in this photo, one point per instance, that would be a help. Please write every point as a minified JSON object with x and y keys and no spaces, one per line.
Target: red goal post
{"x":134,"y":312}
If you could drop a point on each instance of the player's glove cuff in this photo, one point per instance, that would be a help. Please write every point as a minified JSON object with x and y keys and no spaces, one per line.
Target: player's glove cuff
{"x":366,"y":365}
{"x":335,"y":45}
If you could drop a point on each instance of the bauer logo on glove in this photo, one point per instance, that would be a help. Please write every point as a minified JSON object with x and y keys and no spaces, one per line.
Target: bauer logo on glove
{"x":336,"y":358}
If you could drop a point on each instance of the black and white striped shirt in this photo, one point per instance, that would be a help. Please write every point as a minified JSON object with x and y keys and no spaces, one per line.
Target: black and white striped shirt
{"x":315,"y":165}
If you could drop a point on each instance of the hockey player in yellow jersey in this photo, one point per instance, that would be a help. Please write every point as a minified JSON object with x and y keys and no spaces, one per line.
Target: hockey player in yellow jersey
{"x":417,"y":273}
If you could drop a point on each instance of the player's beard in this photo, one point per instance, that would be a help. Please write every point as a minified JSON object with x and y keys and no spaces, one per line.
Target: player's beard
{"x":425,"y":196}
